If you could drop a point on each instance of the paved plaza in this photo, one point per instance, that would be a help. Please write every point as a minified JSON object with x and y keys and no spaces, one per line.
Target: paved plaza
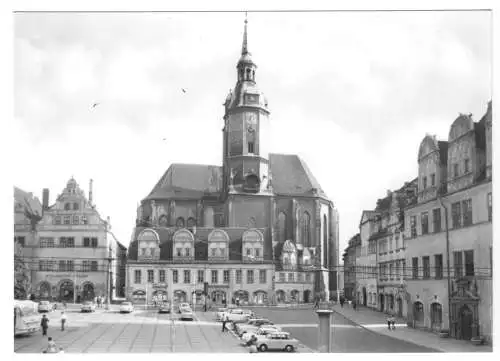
{"x":141,"y":332}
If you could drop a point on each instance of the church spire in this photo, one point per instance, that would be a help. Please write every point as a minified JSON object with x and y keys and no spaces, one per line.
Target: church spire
{"x":244,"y":48}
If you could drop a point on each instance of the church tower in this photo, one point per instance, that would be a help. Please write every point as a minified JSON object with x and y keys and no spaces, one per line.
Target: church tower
{"x":245,"y":158}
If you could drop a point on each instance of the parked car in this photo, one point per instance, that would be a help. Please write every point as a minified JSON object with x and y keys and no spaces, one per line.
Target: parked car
{"x":126,"y":307}
{"x":88,"y":306}
{"x":46,"y":306}
{"x":164,"y":307}
{"x":253,"y":324}
{"x":184,"y":306}
{"x":239,"y":315}
{"x":187,"y":314}
{"x":277,"y":341}
{"x":266,"y":330}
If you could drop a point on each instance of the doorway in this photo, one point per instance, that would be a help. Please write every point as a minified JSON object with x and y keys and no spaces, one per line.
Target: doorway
{"x":400,"y":307}
{"x":364,"y":296}
{"x":382,"y":302}
{"x":436,"y":316}
{"x":66,"y":291}
{"x":307,"y":296}
{"x":465,"y":323}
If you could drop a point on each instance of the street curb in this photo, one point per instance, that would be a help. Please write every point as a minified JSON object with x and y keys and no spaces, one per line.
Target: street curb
{"x":383,"y":334}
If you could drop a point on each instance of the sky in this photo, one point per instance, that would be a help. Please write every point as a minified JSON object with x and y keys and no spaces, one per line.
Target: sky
{"x":352,"y":93}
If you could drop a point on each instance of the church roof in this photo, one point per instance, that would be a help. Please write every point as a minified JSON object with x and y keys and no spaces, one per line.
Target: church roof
{"x":189,"y":181}
{"x":291,"y":176}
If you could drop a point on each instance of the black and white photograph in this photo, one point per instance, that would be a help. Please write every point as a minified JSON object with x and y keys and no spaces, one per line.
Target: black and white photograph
{"x":249,"y":180}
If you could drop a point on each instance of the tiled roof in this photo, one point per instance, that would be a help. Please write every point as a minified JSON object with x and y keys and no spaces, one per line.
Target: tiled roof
{"x":190,"y":181}
{"x":291,"y":176}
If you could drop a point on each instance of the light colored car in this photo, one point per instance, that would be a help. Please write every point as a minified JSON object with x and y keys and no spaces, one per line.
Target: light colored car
{"x":238,"y":315}
{"x":260,"y":332}
{"x":46,"y":306}
{"x":184,"y":306}
{"x":88,"y":306}
{"x":220,"y":312}
{"x":126,"y":307}
{"x":164,"y":307}
{"x":187,"y":314}
{"x":253,"y":324}
{"x":277,"y":341}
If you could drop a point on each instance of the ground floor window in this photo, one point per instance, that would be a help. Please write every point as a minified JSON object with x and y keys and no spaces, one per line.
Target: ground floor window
{"x":180,"y":296}
{"x":418,"y":312}
{"x":280,"y":296}
{"x":260,"y":297}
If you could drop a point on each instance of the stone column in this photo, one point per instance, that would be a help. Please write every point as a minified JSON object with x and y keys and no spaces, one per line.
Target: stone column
{"x":324,"y":330}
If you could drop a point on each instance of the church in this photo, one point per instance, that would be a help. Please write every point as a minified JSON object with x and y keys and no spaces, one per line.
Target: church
{"x":257,"y":230}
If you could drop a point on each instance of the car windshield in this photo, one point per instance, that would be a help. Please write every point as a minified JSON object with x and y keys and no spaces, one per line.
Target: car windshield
{"x":126,"y":304}
{"x":86,"y":303}
{"x":44,"y":302}
{"x":26,"y":311}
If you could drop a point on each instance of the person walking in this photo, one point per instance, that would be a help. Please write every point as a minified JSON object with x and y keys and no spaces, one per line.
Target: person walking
{"x":63,"y":320}
{"x":45,"y":325}
{"x":99,"y":302}
{"x":354,"y":305}
{"x":224,"y":320}
{"x":388,"y":318}
{"x":393,"y":322}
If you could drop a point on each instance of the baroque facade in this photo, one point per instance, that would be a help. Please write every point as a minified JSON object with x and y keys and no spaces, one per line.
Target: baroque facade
{"x":74,"y":256}
{"x":259,"y":228}
{"x":449,"y":232}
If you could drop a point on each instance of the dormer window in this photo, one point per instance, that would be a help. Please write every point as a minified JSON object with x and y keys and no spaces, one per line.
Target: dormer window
{"x":179,"y":252}
{"x":180,"y":222}
{"x":466,"y":166}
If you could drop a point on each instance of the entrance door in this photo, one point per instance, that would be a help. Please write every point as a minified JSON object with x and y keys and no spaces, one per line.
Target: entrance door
{"x":418,"y":313}
{"x":436,"y":316}
{"x":465,"y":323}
{"x":364,"y":296}
{"x":66,"y":291}
{"x":307,"y":295}
{"x":88,"y":292}
{"x":400,"y":307}
{"x":382,"y":301}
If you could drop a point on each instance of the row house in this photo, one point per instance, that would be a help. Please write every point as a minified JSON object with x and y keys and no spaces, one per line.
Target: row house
{"x":448,"y":232}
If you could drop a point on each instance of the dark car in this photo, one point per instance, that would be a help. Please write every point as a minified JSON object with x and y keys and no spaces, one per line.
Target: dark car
{"x":164,"y":308}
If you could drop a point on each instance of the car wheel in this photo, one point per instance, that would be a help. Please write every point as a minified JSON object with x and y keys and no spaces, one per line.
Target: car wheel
{"x":263,"y":348}
{"x":289,"y":348}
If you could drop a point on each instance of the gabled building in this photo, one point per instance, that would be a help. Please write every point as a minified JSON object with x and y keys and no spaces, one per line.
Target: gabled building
{"x":449,"y":232}
{"x":257,"y":228}
{"x":74,"y":255}
{"x":349,"y":260}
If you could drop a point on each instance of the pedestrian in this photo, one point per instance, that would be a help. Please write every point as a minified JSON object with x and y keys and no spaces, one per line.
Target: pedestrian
{"x":349,"y":303}
{"x":51,"y":347}
{"x":224,"y":320}
{"x":354,"y":305}
{"x":388,"y":321}
{"x":61,"y":350}
{"x":63,"y":320}
{"x":342,"y":303}
{"x":45,"y":325}
{"x":98,"y":302}
{"x":393,"y":322}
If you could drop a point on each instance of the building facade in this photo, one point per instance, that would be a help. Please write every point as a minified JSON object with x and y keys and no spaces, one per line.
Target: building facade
{"x":366,"y":260}
{"x":388,"y":243}
{"x":27,"y":213}
{"x":258,"y":228}
{"x":349,"y":259}
{"x":449,"y":232}
{"x":73,"y":255}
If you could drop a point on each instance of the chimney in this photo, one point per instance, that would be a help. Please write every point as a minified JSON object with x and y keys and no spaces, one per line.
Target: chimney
{"x":90,"y":192}
{"x":45,"y":199}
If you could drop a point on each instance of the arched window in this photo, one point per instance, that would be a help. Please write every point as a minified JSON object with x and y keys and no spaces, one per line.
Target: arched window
{"x":282,"y":227}
{"x":191,"y":222}
{"x":163,"y":220}
{"x":306,"y":230}
{"x":180,"y":222}
{"x":325,"y":240}
{"x":249,"y":74}
{"x":67,"y":206}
